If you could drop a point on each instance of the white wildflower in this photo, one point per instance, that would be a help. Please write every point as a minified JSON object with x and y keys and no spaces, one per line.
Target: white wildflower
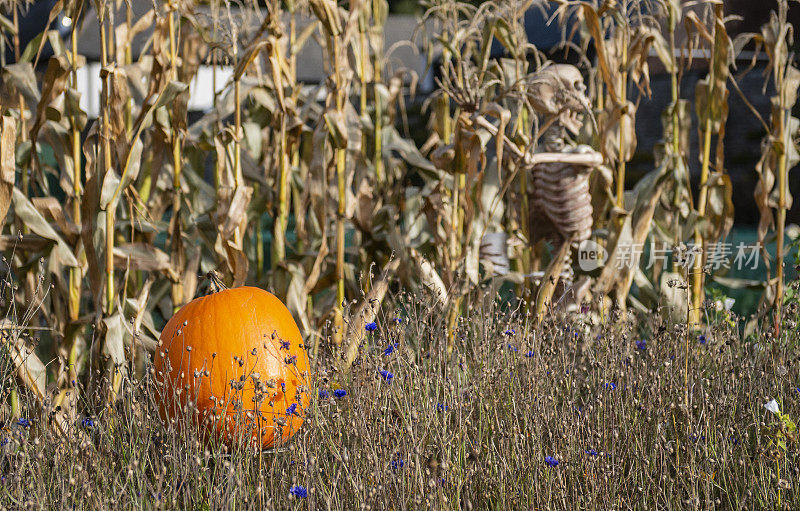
{"x":772,"y":406}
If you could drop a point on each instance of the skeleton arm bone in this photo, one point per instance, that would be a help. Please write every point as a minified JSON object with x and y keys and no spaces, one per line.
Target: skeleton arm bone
{"x":591,"y":159}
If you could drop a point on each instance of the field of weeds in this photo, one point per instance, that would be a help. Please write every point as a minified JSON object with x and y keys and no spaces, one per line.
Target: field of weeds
{"x":572,"y":414}
{"x":491,"y":312}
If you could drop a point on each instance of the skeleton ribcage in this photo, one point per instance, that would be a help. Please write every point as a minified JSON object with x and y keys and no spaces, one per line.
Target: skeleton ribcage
{"x":562,"y":205}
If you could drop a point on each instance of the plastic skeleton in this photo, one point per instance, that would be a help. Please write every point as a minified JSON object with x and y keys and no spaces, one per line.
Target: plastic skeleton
{"x":561,"y":204}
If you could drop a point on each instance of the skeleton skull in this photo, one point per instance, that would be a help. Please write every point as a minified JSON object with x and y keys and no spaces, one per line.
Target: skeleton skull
{"x":558,"y":90}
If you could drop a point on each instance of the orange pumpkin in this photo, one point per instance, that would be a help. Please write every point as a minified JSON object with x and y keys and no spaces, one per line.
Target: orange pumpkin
{"x":238,"y":357}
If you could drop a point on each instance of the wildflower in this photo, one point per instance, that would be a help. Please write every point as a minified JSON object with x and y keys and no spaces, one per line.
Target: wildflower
{"x":25,"y":423}
{"x":641,"y":344}
{"x":510,"y":332}
{"x":283,"y":387}
{"x":371,"y":326}
{"x":291,"y":360}
{"x":292,"y":410}
{"x":87,"y":422}
{"x":611,"y":386}
{"x":390,"y":349}
{"x":592,"y":452}
{"x":584,"y":308}
{"x":323,"y":394}
{"x":512,"y":348}
{"x":298,"y":491}
{"x":529,"y":354}
{"x":551,"y":461}
{"x":398,"y":320}
{"x":284,"y":345}
{"x":386,"y":375}
{"x":4,"y":442}
{"x":339,"y":393}
{"x":441,"y":407}
{"x":773,"y":407}
{"x":702,"y":339}
{"x":398,"y":463}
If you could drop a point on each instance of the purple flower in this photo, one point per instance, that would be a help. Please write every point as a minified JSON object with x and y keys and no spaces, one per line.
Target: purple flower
{"x":398,"y":320}
{"x":339,"y":393}
{"x":441,"y":407}
{"x":291,"y":360}
{"x":4,"y":442}
{"x":386,"y":375}
{"x":702,"y":339}
{"x":611,"y":386}
{"x":592,"y":452}
{"x":292,"y":410}
{"x":529,"y":354}
{"x":87,"y":422}
{"x":512,"y":348}
{"x":371,"y":326}
{"x":284,"y":345}
{"x":398,"y":463}
{"x":298,"y":491}
{"x":390,"y":349}
{"x":641,"y":344}
{"x":510,"y":332}
{"x":25,"y":423}
{"x":323,"y":394}
{"x":551,"y":461}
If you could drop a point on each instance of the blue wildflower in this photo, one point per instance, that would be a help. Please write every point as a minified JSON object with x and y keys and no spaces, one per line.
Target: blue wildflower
{"x":398,"y":463}
{"x":641,"y":344}
{"x":87,"y":422}
{"x":529,"y":354}
{"x":292,"y":410}
{"x":323,"y":394}
{"x":386,"y":375}
{"x":510,"y":332}
{"x":4,"y":442}
{"x":702,"y":339}
{"x":441,"y":407}
{"x":298,"y":491}
{"x":284,"y":345}
{"x":283,"y":387}
{"x":611,"y":386}
{"x":25,"y":423}
{"x":398,"y":320}
{"x":339,"y":393}
{"x":291,"y":360}
{"x":592,"y":452}
{"x":371,"y":326}
{"x":512,"y":348}
{"x":551,"y":461}
{"x":390,"y":349}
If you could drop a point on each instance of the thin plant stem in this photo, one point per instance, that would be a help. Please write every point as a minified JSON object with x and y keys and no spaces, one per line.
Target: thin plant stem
{"x":341,"y":164}
{"x":106,"y":136}
{"x":177,"y":287}
{"x":75,"y":273}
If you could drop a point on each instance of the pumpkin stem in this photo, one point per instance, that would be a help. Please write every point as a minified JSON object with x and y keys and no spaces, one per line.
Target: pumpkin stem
{"x":216,"y":284}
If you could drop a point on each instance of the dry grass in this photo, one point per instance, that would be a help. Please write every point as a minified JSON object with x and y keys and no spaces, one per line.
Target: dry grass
{"x":106,"y":239}
{"x":467,"y":431}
